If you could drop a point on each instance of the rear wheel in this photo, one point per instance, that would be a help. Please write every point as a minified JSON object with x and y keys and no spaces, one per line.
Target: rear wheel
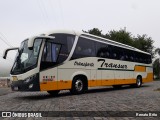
{"x":53,"y":92}
{"x":78,"y":86}
{"x":138,"y":82}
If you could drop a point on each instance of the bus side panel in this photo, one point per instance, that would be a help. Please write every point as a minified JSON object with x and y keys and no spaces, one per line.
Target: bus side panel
{"x":119,"y":77}
{"x":66,"y":75}
{"x":149,"y":76}
{"x":99,"y":78}
{"x":107,"y":77}
{"x":93,"y":79}
{"x":48,"y":79}
{"x":129,"y":77}
{"x":142,"y":74}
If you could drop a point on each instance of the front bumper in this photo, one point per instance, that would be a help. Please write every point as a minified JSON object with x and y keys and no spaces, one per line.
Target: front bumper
{"x":21,"y":85}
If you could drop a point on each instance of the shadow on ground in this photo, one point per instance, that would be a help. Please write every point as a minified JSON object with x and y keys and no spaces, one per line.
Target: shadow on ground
{"x":39,"y":96}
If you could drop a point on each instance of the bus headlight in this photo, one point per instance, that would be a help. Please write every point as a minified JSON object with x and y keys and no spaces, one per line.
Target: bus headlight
{"x":30,"y":86}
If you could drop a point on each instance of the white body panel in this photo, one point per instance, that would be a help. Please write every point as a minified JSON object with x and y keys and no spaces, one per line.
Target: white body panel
{"x":98,"y":71}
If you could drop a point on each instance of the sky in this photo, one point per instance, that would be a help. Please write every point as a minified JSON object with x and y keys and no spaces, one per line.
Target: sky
{"x":20,"y":19}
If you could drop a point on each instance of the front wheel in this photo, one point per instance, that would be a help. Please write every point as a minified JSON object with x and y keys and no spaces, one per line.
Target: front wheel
{"x":53,"y":92}
{"x":78,"y":86}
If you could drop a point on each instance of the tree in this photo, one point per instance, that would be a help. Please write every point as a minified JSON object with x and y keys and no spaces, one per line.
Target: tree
{"x":156,"y":64}
{"x":157,"y":51}
{"x":156,"y":69}
{"x":121,"y":36}
{"x":95,"y":31}
{"x":144,"y":43}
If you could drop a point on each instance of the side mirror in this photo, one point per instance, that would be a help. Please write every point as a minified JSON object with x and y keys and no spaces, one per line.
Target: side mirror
{"x":6,"y":51}
{"x":32,"y":39}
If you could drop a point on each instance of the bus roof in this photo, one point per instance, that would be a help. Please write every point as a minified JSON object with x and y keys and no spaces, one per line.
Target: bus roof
{"x":77,"y":33}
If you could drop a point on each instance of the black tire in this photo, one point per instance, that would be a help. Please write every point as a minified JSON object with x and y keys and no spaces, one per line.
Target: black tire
{"x":138,"y":82}
{"x":117,"y":86}
{"x":53,"y":92}
{"x":78,"y":86}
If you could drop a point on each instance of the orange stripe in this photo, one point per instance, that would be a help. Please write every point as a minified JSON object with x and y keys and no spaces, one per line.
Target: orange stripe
{"x":108,"y":82}
{"x":140,"y":68}
{"x":64,"y":84}
{"x":149,"y":78}
{"x":61,"y":85}
{"x":124,"y":81}
{"x":48,"y":85}
{"x":55,"y":85}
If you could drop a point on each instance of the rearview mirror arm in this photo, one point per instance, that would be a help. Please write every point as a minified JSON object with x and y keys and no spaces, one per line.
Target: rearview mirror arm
{"x":6,"y":51}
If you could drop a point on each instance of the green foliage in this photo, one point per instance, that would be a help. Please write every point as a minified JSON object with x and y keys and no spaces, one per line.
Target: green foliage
{"x":144,"y":43}
{"x":121,"y":36}
{"x":95,"y":31}
{"x":156,"y":66}
{"x":157,"y":51}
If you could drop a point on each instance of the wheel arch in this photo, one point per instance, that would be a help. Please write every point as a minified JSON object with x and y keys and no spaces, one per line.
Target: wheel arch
{"x":82,"y":75}
{"x":139,"y":75}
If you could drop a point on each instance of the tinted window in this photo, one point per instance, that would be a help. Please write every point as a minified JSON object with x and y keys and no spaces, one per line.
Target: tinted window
{"x":103,"y":50}
{"x":143,"y":58}
{"x":139,"y":57}
{"x":149,"y":59}
{"x":56,"y":50}
{"x":66,"y":40}
{"x":128,"y":55}
{"x":84,"y":48}
{"x":117,"y":53}
{"x":50,"y":52}
{"x":120,"y":52}
{"x":50,"y":55}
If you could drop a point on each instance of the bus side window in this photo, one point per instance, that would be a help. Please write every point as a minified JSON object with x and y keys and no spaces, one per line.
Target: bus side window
{"x":149,"y":59}
{"x":114,"y":52}
{"x":50,"y":55}
{"x":102,"y":50}
{"x":139,"y":57}
{"x":131,"y":56}
{"x":120,"y":52}
{"x":84,"y":48}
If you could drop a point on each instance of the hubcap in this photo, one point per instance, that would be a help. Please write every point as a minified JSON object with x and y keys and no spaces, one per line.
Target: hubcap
{"x":138,"y":81}
{"x":79,"y":85}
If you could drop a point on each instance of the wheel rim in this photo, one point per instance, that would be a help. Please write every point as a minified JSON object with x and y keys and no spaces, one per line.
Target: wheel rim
{"x":139,"y":82}
{"x":79,"y":85}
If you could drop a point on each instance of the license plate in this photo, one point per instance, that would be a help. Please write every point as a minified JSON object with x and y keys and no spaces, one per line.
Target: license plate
{"x":15,"y":88}
{"x":15,"y":78}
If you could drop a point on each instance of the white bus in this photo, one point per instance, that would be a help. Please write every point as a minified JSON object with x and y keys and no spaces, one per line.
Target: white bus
{"x":70,"y":60}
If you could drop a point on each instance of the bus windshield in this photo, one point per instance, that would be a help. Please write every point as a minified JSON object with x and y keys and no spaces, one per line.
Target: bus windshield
{"x":26,"y":59}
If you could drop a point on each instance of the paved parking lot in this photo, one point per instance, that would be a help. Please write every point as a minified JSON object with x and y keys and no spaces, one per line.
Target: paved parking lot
{"x":146,"y":98}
